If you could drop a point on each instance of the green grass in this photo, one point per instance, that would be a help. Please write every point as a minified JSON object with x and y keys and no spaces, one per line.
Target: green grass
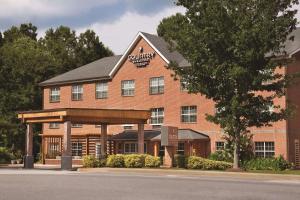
{"x":292,"y":172}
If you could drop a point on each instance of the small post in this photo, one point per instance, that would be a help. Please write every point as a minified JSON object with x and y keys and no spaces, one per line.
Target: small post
{"x":141,"y":138}
{"x":28,"y":158}
{"x":66,"y":158}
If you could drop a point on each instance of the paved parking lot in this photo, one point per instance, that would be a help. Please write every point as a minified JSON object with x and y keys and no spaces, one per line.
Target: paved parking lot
{"x":133,"y":185}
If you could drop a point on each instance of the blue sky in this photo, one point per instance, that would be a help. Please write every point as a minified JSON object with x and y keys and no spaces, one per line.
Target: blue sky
{"x":115,"y":21}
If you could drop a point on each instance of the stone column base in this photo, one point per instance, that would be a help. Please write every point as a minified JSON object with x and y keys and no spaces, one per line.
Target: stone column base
{"x":66,"y":162}
{"x":28,"y":162}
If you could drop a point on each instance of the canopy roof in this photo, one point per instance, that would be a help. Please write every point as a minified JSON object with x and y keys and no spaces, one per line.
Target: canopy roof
{"x":86,"y":116}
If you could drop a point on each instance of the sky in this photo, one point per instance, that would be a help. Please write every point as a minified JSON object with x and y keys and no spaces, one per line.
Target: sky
{"x":116,"y":22}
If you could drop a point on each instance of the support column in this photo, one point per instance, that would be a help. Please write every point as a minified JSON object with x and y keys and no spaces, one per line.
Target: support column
{"x":28,"y":158}
{"x":141,"y":138}
{"x":87,"y":145}
{"x":103,"y":139}
{"x":43,"y":150}
{"x":66,"y":158}
{"x":155,"y":149}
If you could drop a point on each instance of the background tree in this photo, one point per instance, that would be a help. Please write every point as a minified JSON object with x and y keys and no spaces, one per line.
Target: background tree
{"x":25,"y":62}
{"x":231,"y":45}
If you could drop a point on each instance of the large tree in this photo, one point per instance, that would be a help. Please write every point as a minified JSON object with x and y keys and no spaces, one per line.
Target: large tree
{"x":231,"y":46}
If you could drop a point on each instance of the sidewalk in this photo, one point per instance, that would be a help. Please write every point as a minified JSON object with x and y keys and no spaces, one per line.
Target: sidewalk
{"x":190,"y":173}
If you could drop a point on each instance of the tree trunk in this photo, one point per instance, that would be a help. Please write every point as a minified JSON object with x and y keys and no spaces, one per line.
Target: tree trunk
{"x":236,"y":154}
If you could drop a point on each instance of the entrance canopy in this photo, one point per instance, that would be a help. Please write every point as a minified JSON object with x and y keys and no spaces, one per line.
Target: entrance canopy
{"x":86,"y":116}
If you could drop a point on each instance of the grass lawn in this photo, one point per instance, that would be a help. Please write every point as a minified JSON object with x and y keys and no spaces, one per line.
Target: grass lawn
{"x":292,"y":172}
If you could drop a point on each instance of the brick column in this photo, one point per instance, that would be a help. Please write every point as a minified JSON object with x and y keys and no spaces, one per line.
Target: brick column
{"x":103,"y":139}
{"x":140,"y":138}
{"x":66,"y":158}
{"x":28,"y":158}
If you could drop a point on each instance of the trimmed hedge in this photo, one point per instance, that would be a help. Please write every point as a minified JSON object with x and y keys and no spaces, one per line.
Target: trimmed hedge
{"x":274,"y":164}
{"x":5,"y":156}
{"x":134,"y":160}
{"x":221,"y":156}
{"x":152,"y":161}
{"x":115,"y":161}
{"x":179,"y":161}
{"x":91,"y":161}
{"x":194,"y":162}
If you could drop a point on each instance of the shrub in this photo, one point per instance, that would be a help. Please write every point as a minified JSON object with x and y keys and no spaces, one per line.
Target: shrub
{"x":179,"y":161}
{"x":194,"y":162}
{"x":221,"y":156}
{"x":275,"y":164}
{"x":115,"y":160}
{"x":5,"y":156}
{"x":91,"y":161}
{"x":152,"y":161}
{"x":134,"y":160}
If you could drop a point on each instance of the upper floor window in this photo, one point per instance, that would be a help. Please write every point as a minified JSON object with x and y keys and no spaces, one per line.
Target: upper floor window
{"x":264,"y":149}
{"x":101,"y":90}
{"x":53,"y":125}
{"x":77,"y":92}
{"x":55,"y":94}
{"x":76,"y":125}
{"x":157,"y":85}
{"x":157,"y":116}
{"x":188,"y":114}
{"x":127,"y":88}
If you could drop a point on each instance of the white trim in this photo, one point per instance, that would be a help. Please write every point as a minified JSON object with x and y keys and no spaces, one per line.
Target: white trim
{"x":294,"y":52}
{"x":138,"y":36}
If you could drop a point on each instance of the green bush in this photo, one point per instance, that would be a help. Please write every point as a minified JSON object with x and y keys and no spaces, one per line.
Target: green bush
{"x":115,"y":161}
{"x":91,"y":161}
{"x":152,"y":161}
{"x":221,"y":156}
{"x":275,"y":164}
{"x":134,"y":160}
{"x":5,"y":156}
{"x":194,"y":162}
{"x":179,"y":161}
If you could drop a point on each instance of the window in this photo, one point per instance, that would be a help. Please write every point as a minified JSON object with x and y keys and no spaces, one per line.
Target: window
{"x":264,"y":149}
{"x":161,"y":151}
{"x":188,"y":114}
{"x":157,"y":85}
{"x":76,"y":149}
{"x":77,"y":92}
{"x":76,"y":125}
{"x":127,"y":88}
{"x":180,"y":148}
{"x":127,"y":126}
{"x":157,"y":116}
{"x":98,"y":150}
{"x":130,"y":148}
{"x":55,"y":94}
{"x":101,"y":90}
{"x":53,"y":125}
{"x":220,"y":146}
{"x":183,"y":85}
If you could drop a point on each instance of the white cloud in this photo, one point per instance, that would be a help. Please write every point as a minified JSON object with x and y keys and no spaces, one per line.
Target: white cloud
{"x":119,"y":34}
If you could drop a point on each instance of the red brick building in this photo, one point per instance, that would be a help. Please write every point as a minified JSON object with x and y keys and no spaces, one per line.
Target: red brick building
{"x":139,"y":79}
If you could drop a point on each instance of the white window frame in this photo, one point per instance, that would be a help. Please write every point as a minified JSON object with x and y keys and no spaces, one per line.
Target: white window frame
{"x":77,"y":148}
{"x":54,"y":94}
{"x":220,"y":145}
{"x":53,"y":125}
{"x":188,"y":114}
{"x":102,"y":90}
{"x":77,"y":92}
{"x":127,"y":88}
{"x":157,"y":85}
{"x":264,"y":149}
{"x":98,"y":150}
{"x":157,"y":114}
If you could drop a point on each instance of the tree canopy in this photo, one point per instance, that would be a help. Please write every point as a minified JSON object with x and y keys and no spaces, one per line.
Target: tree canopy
{"x":231,"y":46}
{"x":26,"y":61}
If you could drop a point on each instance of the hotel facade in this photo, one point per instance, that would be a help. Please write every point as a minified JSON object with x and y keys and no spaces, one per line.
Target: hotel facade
{"x":139,"y":80}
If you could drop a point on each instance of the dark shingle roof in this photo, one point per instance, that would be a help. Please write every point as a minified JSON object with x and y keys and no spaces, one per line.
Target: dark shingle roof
{"x":163,"y":47}
{"x":292,"y":46}
{"x":98,"y":69}
{"x":183,"y":134}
